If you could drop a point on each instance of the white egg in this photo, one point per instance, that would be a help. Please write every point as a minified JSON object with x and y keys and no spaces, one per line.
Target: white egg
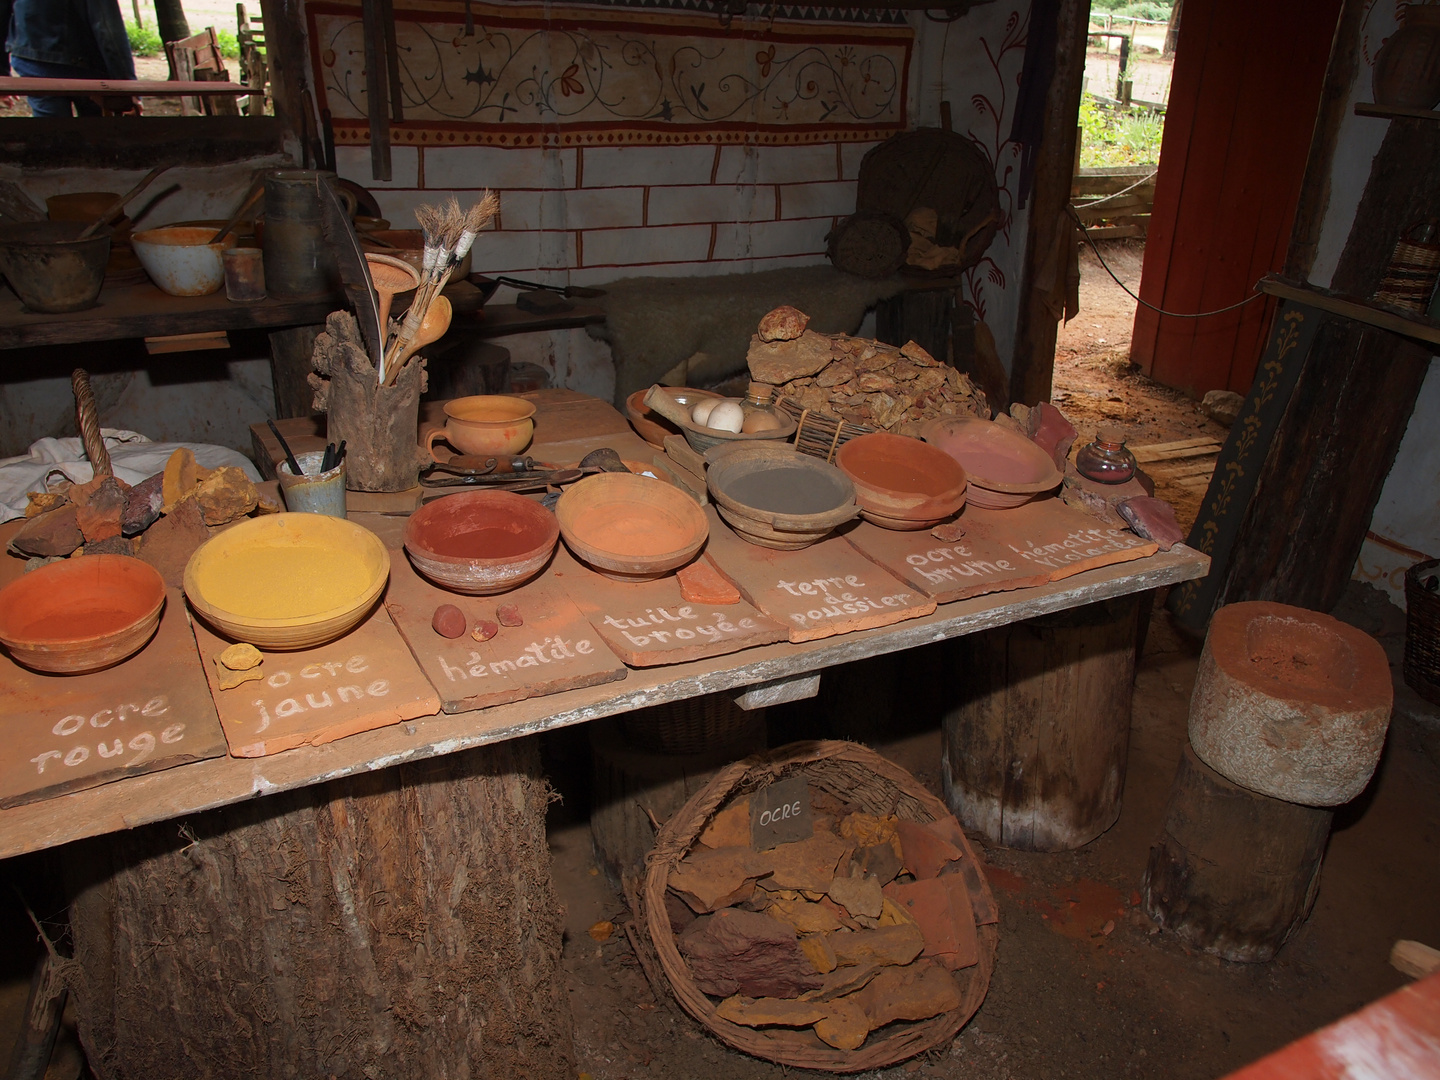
{"x":701,"y":412}
{"x":727,"y":416}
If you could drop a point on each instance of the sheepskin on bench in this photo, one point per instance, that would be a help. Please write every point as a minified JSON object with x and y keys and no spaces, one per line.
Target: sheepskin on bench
{"x":654,"y":324}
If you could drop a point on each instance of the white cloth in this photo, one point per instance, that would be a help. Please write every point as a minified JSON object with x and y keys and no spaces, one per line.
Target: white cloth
{"x":133,"y":457}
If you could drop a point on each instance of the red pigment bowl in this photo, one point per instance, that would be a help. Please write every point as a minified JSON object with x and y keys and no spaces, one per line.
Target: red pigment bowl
{"x":82,"y":614}
{"x":481,"y":542}
{"x":900,"y":482}
{"x":1004,"y":468}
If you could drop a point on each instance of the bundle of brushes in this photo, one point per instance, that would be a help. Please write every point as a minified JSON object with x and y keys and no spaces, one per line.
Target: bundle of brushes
{"x":449,"y":233}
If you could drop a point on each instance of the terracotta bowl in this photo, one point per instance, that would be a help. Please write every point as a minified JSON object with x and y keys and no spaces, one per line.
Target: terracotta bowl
{"x":650,"y":425}
{"x":82,"y":614}
{"x":486,"y":425}
{"x":1005,"y":469}
{"x":902,"y":483}
{"x":629,"y":527}
{"x":780,"y":498}
{"x":287,"y":581}
{"x":481,"y":542}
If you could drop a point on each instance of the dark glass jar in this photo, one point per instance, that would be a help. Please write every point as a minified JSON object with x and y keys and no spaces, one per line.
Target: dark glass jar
{"x":1106,"y":460}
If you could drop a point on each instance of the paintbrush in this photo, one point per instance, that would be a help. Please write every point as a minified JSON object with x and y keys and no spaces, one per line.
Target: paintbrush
{"x":295,"y":469}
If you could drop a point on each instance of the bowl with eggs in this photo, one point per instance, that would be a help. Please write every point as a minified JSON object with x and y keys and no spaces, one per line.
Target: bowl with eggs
{"x":712,"y":421}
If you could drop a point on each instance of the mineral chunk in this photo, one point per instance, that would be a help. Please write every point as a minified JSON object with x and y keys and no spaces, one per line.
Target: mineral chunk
{"x":509,"y":615}
{"x":777,"y":362}
{"x":737,"y":951}
{"x":51,"y":534}
{"x":448,"y":621}
{"x":225,"y":495}
{"x":785,"y":323}
{"x":143,"y":505}
{"x":701,"y":583}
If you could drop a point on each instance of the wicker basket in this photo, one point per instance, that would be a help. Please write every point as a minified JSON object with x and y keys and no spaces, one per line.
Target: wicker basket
{"x":1422,"y":632}
{"x":692,"y":726}
{"x":820,"y":434}
{"x":867,"y":782}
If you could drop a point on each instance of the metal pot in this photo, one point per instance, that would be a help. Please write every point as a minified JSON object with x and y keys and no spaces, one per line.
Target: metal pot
{"x":50,"y":269}
{"x":299,"y":264}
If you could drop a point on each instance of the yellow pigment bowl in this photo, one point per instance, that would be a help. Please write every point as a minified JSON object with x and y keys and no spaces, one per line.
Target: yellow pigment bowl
{"x":287,"y":581}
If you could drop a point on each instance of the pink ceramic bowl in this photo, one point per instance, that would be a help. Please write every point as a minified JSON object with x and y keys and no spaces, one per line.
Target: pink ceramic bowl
{"x":1005,"y":469}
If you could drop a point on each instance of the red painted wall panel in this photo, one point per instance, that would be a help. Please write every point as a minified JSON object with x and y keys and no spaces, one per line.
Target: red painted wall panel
{"x":1243,"y":99}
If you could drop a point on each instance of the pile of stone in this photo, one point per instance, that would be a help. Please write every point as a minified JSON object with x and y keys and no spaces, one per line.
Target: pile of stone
{"x":855,"y":927}
{"x":856,"y":379}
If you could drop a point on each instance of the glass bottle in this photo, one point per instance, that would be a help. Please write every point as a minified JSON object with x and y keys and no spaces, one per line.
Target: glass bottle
{"x":1106,"y":460}
{"x":761,"y":413}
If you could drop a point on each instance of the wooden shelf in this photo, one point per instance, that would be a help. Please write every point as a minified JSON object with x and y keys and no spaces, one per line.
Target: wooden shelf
{"x":1389,"y":112}
{"x":1416,"y":327}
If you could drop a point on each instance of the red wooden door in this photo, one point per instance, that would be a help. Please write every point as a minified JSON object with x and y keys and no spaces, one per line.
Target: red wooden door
{"x":1243,"y":100}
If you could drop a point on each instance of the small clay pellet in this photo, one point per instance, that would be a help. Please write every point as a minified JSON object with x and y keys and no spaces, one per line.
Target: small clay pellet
{"x":484,"y":630}
{"x":449,"y":621}
{"x":509,"y":615}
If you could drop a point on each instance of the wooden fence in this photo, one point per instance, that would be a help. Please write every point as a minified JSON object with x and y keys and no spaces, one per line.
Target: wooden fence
{"x":1114,"y":202}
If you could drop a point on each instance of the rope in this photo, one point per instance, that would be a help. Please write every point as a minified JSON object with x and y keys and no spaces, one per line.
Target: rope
{"x":1085,"y":232}
{"x":1122,"y":191}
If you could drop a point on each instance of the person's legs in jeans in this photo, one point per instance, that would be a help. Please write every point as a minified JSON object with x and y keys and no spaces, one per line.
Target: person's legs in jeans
{"x":55,"y":105}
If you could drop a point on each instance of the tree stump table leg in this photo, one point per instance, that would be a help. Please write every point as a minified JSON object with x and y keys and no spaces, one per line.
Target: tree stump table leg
{"x":1034,"y":753}
{"x":1235,"y":872}
{"x":392,"y":924}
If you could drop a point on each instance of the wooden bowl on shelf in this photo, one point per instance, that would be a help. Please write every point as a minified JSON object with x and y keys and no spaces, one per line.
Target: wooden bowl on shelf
{"x":287,"y":581}
{"x":780,"y":498}
{"x":902,"y":483}
{"x":629,"y":527}
{"x":81,"y":615}
{"x":1004,"y":468}
{"x":481,"y":542}
{"x":650,"y":425}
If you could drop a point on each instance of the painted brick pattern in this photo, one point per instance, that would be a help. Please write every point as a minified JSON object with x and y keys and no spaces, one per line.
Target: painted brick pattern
{"x":595,"y":214}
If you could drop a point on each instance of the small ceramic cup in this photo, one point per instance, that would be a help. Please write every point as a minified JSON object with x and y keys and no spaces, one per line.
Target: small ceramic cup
{"x":486,"y":425}
{"x":244,"y":275}
{"x":315,"y":492}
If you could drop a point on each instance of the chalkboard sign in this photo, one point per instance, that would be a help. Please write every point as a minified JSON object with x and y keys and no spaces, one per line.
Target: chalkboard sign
{"x":780,"y":814}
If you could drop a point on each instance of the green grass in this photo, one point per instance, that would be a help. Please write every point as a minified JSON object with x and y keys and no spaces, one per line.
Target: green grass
{"x":144,"y":41}
{"x":1143,"y":9}
{"x":1116,"y":137}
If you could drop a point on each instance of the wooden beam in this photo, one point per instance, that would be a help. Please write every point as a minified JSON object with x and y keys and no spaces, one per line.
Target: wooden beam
{"x":10,"y":84}
{"x":1416,"y":327}
{"x":1033,"y":365}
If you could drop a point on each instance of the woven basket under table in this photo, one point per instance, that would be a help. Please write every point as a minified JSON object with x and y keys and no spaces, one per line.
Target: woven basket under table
{"x":869,"y":783}
{"x":1422,"y":632}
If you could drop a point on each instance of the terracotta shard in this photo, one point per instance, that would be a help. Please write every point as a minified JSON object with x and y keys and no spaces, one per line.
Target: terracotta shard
{"x":707,"y":880}
{"x":509,"y":615}
{"x":730,"y":827}
{"x":225,"y":495}
{"x":845,"y":1028}
{"x":859,"y":895}
{"x":735,"y":951}
{"x":142,"y":505}
{"x":982,"y":903}
{"x":1152,"y":518}
{"x":817,"y":950}
{"x":886,"y":945}
{"x":941,"y":909}
{"x":99,"y":507}
{"x":701,"y":583}
{"x":878,"y":861}
{"x":53,"y":534}
{"x":770,"y":1012}
{"x":807,"y":864}
{"x":914,"y":993}
{"x":804,"y":916}
{"x":785,"y":323}
{"x":926,"y":853}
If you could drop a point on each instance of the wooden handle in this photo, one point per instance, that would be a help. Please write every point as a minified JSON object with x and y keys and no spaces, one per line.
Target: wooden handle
{"x":88,"y":418}
{"x":659,"y":399}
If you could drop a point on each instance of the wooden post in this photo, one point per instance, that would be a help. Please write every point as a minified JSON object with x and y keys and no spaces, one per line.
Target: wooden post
{"x":1235,"y":872}
{"x":1035,"y":750}
{"x":398,"y":924}
{"x":290,"y":354}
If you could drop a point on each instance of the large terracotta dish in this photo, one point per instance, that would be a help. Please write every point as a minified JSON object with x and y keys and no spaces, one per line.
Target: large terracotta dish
{"x":481,"y":542}
{"x":1005,"y":469}
{"x":287,"y":581}
{"x":650,"y":425}
{"x":780,"y":498}
{"x":902,"y":483}
{"x":82,"y":614}
{"x":629,"y":527}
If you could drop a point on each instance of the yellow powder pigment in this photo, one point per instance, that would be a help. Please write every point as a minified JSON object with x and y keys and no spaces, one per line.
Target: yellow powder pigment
{"x":283,"y":583}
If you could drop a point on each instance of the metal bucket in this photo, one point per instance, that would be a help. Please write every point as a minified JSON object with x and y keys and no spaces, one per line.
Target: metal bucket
{"x":299,"y":264}
{"x":49,"y":269}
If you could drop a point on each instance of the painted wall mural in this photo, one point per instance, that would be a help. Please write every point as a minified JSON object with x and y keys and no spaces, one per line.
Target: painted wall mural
{"x":615,"y":77}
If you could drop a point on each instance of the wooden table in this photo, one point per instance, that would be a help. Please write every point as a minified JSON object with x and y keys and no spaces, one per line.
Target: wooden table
{"x":570,"y":424}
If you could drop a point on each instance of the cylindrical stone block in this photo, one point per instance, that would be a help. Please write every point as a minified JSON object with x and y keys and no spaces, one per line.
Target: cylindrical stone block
{"x":1290,"y":703}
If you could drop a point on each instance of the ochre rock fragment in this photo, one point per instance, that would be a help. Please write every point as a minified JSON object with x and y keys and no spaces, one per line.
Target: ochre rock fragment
{"x":225,"y":495}
{"x":859,"y":895}
{"x":227,"y":678}
{"x":886,"y":945}
{"x":803,"y":916}
{"x":917,"y":992}
{"x":806,"y":864}
{"x":448,"y":621}
{"x":785,"y":323}
{"x":55,"y":533}
{"x":770,"y":1012}
{"x":485,"y":630}
{"x":846,"y":1027}
{"x":142,"y":505}
{"x":707,"y":880}
{"x":701,"y":583}
{"x":181,"y":477}
{"x":509,"y":615}
{"x":817,"y":950}
{"x":777,"y":362}
{"x":730,"y":827}
{"x":99,"y":507}
{"x":926,"y":853}
{"x":242,"y":657}
{"x":735,"y":951}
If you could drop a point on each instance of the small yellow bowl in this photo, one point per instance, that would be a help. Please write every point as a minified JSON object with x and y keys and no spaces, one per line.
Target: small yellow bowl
{"x":287,"y":581}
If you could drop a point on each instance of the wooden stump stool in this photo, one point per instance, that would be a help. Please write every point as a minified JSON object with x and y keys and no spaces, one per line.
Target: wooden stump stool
{"x":397,"y":924}
{"x":640,"y":772}
{"x":1034,"y":753}
{"x":1291,"y":703}
{"x":1235,"y":872}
